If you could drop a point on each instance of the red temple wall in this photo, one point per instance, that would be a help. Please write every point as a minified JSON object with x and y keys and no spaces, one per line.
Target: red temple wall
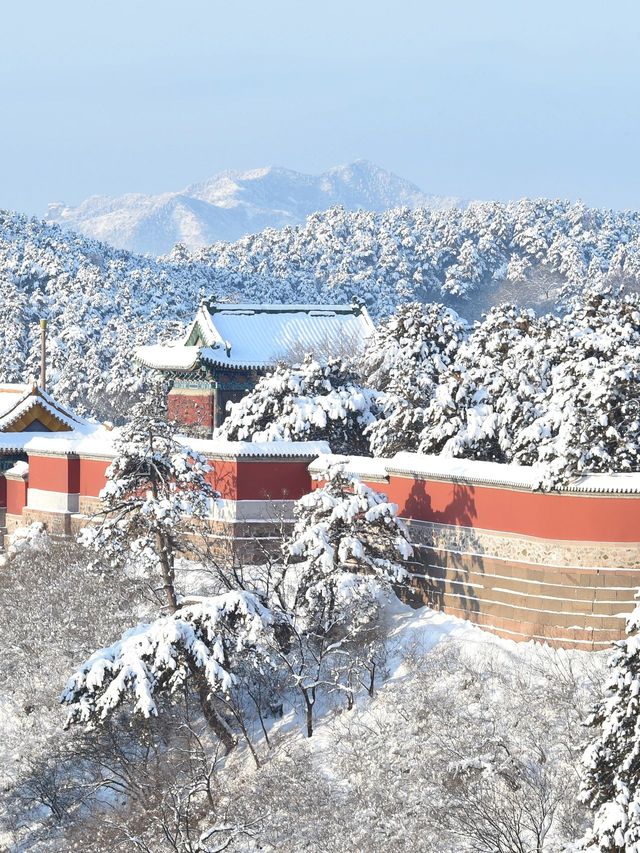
{"x":192,"y":408}
{"x":16,"y":495}
{"x":565,"y":516}
{"x":93,"y":476}
{"x":55,"y":473}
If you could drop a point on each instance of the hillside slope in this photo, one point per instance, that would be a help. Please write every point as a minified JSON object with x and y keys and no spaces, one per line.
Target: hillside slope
{"x":102,"y":302}
{"x":233,"y":204}
{"x":535,"y":252}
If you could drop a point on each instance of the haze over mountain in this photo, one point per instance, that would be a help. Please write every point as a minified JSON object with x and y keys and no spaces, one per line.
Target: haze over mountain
{"x":233,"y":204}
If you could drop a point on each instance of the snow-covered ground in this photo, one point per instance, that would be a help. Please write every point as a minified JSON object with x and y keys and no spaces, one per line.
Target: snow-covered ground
{"x":469,"y":743}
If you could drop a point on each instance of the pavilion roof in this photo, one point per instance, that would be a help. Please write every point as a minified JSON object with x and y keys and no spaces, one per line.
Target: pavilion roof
{"x":246,"y":335}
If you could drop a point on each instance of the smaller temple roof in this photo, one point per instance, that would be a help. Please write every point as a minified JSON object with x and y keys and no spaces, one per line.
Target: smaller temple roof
{"x":11,"y":394}
{"x":29,"y":408}
{"x":257,"y":336}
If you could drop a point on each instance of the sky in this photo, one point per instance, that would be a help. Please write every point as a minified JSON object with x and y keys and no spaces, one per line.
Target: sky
{"x":491,"y":100}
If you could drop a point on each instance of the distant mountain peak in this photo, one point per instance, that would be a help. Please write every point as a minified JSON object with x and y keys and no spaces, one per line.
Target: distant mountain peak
{"x":234,"y":203}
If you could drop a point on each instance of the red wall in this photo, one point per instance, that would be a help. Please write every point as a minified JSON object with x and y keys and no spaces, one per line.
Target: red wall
{"x":92,"y":476}
{"x":55,"y":473}
{"x":549,"y":516}
{"x":224,"y":477}
{"x":16,"y":496}
{"x":569,"y":517}
{"x":250,"y":480}
{"x":192,"y":410}
{"x":3,"y":490}
{"x":278,"y":480}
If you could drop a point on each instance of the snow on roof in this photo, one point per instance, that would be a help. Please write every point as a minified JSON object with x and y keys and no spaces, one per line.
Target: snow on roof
{"x":87,"y":440}
{"x":627,"y":483}
{"x":220,"y":449}
{"x":174,"y":356}
{"x":256,"y":336}
{"x":10,"y":395}
{"x":35,"y":396}
{"x":473,"y":471}
{"x":96,"y":440}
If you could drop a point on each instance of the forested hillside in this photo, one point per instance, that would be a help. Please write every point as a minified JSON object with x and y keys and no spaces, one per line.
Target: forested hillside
{"x":102,"y":302}
{"x":533,"y":252}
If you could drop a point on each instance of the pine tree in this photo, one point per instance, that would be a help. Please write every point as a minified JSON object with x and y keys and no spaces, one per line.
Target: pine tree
{"x":206,"y":642}
{"x":347,"y":542}
{"x":155,"y":495}
{"x":312,"y":402}
{"x":404,"y":359}
{"x":611,"y":783}
{"x":347,"y":547}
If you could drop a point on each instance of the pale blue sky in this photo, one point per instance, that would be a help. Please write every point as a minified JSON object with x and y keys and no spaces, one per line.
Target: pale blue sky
{"x":478,"y":99}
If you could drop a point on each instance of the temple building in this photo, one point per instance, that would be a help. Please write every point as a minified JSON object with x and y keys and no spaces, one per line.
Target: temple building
{"x":229,"y":346}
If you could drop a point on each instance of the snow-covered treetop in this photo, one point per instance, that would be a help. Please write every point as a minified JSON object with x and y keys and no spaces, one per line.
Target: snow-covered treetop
{"x":404,"y":359}
{"x":314,"y":401}
{"x":347,"y":542}
{"x":611,"y":762}
{"x":561,"y":392}
{"x":155,"y":492}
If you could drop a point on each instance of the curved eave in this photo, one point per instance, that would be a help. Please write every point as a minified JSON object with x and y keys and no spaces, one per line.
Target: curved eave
{"x":163,"y":358}
{"x":219,"y":361}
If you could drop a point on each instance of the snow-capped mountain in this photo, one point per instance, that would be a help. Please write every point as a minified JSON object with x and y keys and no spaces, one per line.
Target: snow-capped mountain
{"x":233,"y":204}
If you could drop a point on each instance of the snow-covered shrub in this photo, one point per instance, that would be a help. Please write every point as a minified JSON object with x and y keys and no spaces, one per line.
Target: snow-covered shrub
{"x":31,"y":538}
{"x":404,"y":359}
{"x":611,"y":783}
{"x":472,"y":747}
{"x":314,"y":401}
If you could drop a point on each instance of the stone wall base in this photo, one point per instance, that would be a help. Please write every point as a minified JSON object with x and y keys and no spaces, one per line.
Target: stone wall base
{"x":569,"y":594}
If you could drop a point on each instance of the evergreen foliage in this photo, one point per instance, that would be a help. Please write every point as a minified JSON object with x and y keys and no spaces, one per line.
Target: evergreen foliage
{"x":611,"y":783}
{"x":404,"y":359}
{"x":210,"y":638}
{"x":311,"y":402}
{"x":155,"y":494}
{"x":561,"y":393}
{"x":347,"y":544}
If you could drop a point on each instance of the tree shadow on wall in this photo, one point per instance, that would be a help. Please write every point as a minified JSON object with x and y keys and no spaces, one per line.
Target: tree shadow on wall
{"x":442,"y":573}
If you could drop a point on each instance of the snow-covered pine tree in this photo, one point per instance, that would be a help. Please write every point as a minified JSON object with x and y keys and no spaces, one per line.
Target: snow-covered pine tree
{"x":472,"y":411}
{"x":155,"y":495}
{"x":207,"y":642}
{"x":347,"y":546}
{"x":611,"y":782}
{"x":404,"y":359}
{"x":313,"y":401}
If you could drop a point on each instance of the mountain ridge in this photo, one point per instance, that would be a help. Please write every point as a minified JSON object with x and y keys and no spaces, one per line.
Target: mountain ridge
{"x":234,"y":203}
